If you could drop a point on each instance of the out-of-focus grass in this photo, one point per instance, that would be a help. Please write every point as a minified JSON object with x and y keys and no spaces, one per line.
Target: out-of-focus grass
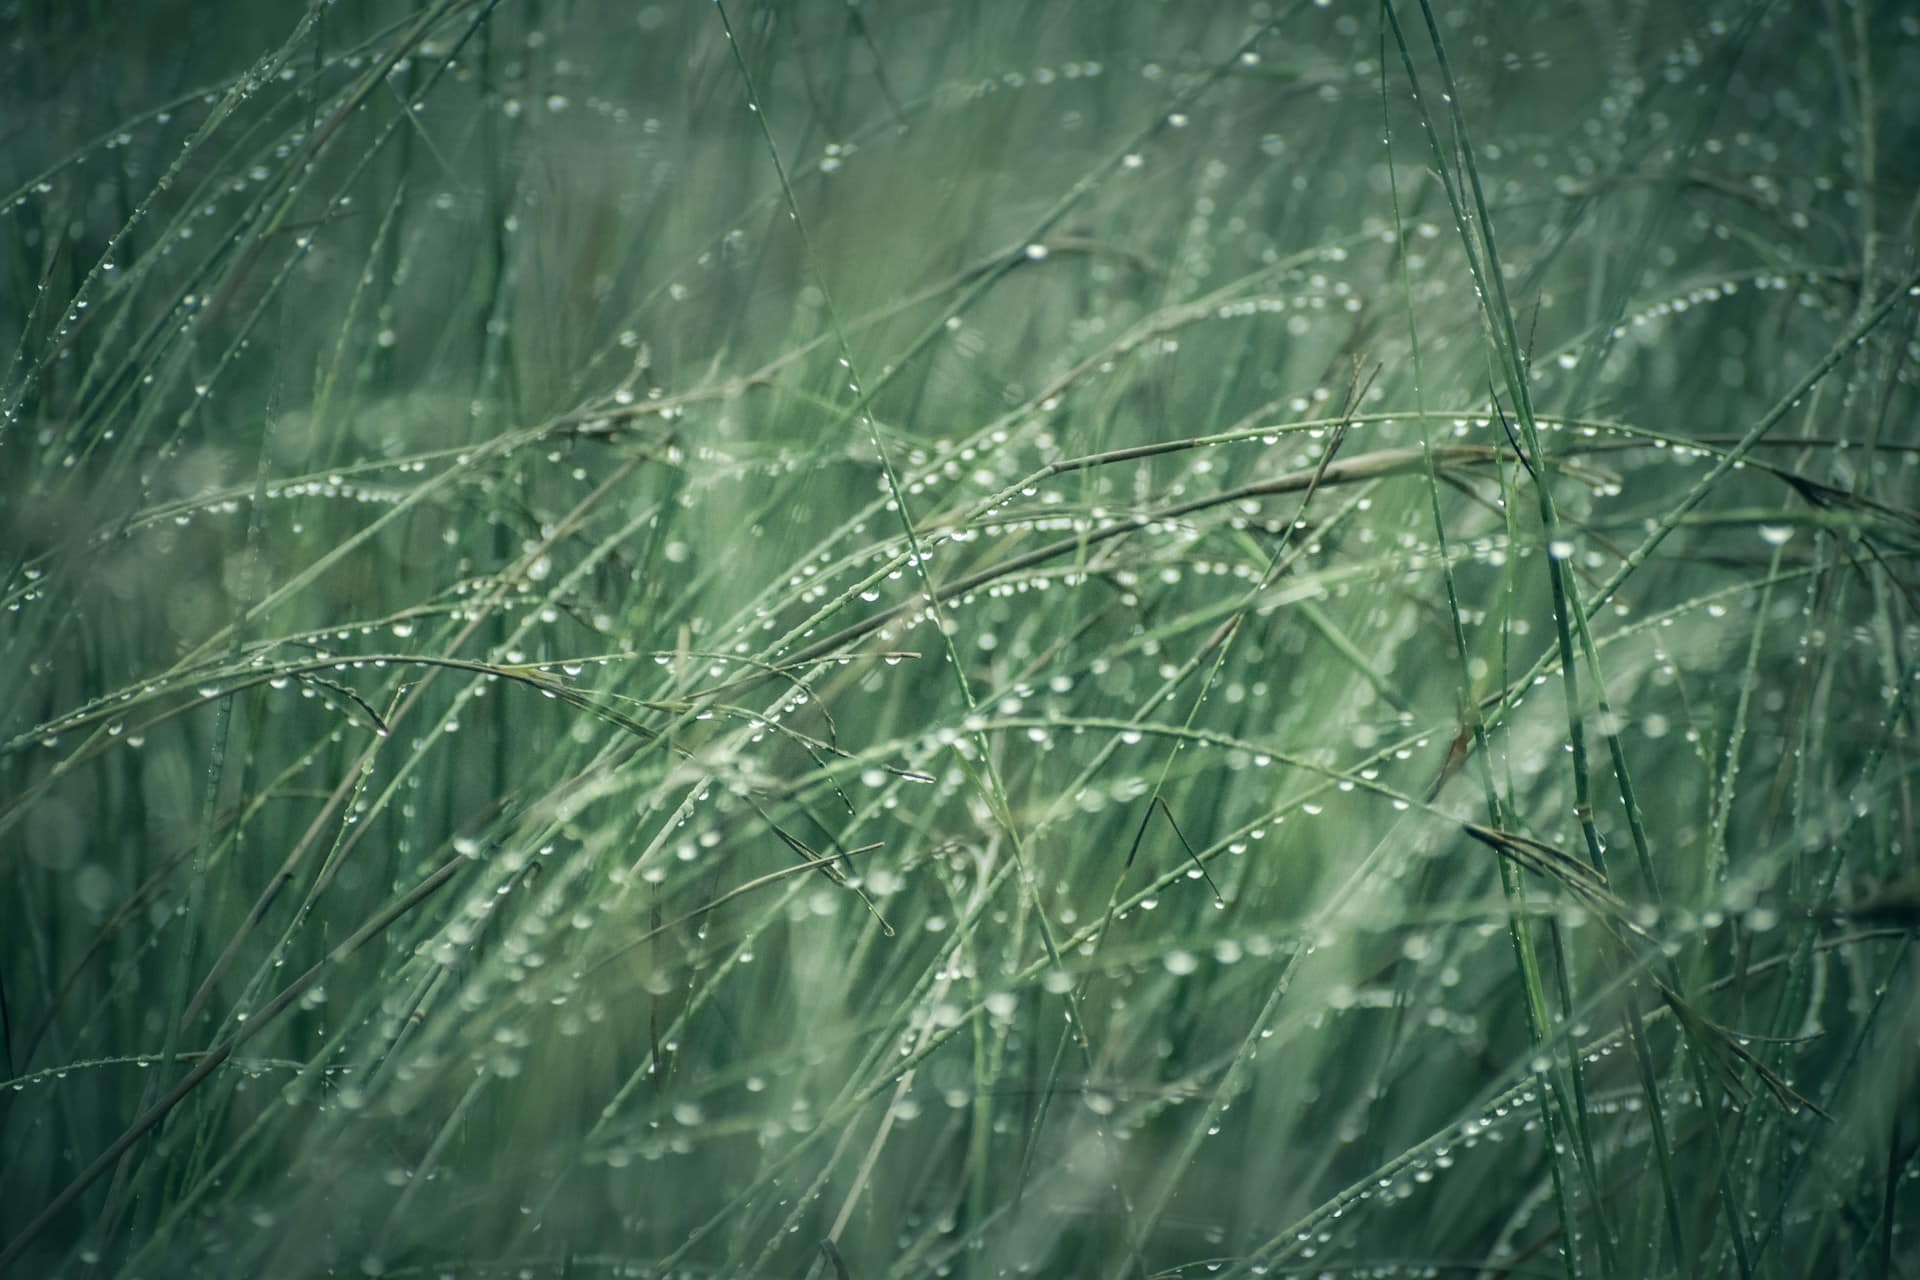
{"x":978,"y":639}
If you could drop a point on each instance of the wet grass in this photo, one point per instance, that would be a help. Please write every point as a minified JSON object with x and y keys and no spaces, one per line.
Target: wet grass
{"x":974,"y":640}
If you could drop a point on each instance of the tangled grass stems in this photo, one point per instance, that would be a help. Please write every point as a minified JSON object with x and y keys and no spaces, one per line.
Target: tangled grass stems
{"x":797,"y":622}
